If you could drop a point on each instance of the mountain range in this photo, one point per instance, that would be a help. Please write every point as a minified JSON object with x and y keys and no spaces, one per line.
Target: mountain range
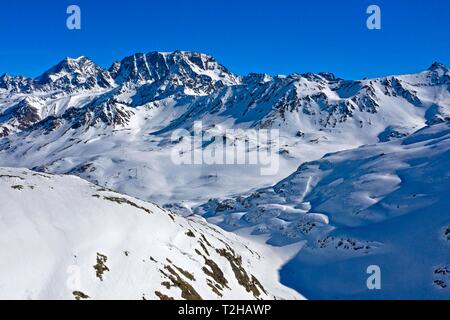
{"x":382,"y":144}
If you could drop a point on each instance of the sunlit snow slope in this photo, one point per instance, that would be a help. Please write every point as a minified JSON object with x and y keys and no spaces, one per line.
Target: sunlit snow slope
{"x":64,"y":238}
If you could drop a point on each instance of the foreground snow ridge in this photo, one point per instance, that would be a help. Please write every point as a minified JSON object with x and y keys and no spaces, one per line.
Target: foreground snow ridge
{"x":64,"y":238}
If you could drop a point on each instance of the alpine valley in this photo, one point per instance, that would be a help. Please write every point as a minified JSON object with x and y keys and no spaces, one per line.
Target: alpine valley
{"x":363,"y":180}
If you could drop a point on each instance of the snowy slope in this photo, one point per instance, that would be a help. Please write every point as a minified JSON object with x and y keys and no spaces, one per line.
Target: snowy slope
{"x":117,"y":133}
{"x":384,"y":204}
{"x":64,"y":238}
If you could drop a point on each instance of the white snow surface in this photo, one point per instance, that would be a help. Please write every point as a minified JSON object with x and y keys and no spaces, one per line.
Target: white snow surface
{"x":384,"y":204}
{"x":54,"y":231}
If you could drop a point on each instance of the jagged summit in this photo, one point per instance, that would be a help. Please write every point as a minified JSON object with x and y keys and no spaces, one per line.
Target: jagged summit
{"x":327,"y":76}
{"x":72,"y":73}
{"x":16,"y":83}
{"x":67,"y":65}
{"x":438,"y":66}
{"x":198,"y":72}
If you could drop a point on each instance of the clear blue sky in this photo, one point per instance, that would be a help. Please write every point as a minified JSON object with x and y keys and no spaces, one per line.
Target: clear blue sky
{"x":276,"y":36}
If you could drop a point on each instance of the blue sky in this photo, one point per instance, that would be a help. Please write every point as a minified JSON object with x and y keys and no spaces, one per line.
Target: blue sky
{"x":276,"y":37}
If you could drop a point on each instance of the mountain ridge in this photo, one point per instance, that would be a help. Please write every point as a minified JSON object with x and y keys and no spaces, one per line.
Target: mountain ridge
{"x":434,"y":66}
{"x":78,"y":123}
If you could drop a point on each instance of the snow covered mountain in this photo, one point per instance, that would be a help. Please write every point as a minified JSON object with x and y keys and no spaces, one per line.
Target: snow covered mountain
{"x":113,"y":127}
{"x":69,"y":75}
{"x":72,"y":82}
{"x":384,"y":204}
{"x":198,"y":73}
{"x":64,"y":238}
{"x":74,"y":74}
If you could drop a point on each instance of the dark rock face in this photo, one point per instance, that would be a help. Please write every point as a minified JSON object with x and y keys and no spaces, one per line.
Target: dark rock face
{"x":196,"y":71}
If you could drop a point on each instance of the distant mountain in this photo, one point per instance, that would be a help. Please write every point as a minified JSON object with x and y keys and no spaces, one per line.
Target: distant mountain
{"x":69,"y":239}
{"x":75,"y":74}
{"x":197,"y":72}
{"x":15,"y":84}
{"x":69,"y":75}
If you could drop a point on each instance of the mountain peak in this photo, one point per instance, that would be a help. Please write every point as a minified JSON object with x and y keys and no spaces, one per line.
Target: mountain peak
{"x":69,"y":64}
{"x":328,"y":76}
{"x":15,"y":83}
{"x":198,"y":72}
{"x":72,"y":73}
{"x":8,"y":77}
{"x":437,"y":66}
